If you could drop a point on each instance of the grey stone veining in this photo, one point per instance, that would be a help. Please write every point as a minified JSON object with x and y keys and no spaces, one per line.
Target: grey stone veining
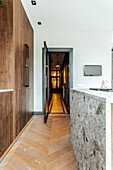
{"x":88,"y":129}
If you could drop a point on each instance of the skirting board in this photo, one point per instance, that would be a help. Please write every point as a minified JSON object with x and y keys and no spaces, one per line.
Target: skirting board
{"x":38,"y":113}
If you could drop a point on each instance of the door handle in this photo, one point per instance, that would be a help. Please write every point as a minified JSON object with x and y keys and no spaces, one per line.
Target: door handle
{"x":45,"y":82}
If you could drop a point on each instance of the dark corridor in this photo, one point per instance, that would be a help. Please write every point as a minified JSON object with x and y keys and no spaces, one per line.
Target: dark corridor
{"x":59,"y":81}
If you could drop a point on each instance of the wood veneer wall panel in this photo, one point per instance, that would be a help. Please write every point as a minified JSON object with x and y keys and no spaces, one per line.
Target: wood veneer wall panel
{"x":23,"y":35}
{"x":23,"y":108}
{"x":24,"y":96}
{"x":20,"y":114}
{"x":6,"y":75}
{"x":15,"y":107}
{"x":6,"y":120}
{"x":6,"y":45}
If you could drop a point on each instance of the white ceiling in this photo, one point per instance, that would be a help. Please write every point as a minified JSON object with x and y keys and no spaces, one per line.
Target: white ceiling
{"x":71,"y":14}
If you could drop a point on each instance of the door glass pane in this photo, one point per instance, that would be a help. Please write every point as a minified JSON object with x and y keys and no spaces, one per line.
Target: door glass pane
{"x":64,"y":75}
{"x":53,"y":73}
{"x":58,"y":73}
{"x":58,"y":82}
{"x":54,"y":83}
{"x":46,"y":88}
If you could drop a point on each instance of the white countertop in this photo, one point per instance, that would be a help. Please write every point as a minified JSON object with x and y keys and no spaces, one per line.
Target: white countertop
{"x":107,"y":95}
{"x":5,"y":90}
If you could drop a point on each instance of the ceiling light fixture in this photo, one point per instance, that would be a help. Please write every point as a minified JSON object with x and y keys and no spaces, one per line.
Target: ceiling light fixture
{"x":33,"y":2}
{"x":57,"y":65}
{"x":39,"y":23}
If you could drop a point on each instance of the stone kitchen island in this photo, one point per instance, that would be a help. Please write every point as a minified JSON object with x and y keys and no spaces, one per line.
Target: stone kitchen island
{"x":91,"y":129}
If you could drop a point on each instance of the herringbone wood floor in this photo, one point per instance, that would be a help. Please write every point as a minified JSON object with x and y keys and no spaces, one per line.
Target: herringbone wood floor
{"x":43,"y":147}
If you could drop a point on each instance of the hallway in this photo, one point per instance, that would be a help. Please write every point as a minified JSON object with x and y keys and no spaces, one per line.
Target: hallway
{"x":58,"y":105}
{"x":44,"y":147}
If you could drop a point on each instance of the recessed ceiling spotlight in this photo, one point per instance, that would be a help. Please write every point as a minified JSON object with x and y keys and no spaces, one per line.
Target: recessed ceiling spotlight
{"x":33,"y":2}
{"x":39,"y":23}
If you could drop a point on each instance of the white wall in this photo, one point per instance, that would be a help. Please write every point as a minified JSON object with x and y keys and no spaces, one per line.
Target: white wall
{"x":89,"y":47}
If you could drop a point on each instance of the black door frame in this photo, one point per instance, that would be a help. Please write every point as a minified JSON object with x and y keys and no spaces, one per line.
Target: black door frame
{"x":56,"y":50}
{"x":45,"y":82}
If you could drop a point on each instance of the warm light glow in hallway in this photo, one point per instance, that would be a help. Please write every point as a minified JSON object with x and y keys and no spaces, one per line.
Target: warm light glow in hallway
{"x":58,"y":104}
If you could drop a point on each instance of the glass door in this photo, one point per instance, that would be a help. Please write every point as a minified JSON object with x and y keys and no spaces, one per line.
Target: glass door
{"x":56,"y":80}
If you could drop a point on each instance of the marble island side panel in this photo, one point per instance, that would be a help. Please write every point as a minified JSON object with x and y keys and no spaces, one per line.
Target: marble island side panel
{"x":88,"y":130}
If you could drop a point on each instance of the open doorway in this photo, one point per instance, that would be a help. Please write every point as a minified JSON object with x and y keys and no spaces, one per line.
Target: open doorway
{"x":57,"y":71}
{"x":59,"y":82}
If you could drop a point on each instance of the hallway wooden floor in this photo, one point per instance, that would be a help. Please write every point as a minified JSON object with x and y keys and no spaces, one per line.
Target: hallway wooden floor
{"x":43,"y":147}
{"x":58,"y":104}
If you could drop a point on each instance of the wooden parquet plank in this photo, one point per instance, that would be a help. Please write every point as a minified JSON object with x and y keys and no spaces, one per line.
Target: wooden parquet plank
{"x":36,"y":144}
{"x":18,"y":164}
{"x":33,"y":159}
{"x":9,"y":167}
{"x":58,"y":138}
{"x":61,"y":161}
{"x":43,"y":147}
{"x":28,"y":152}
{"x":39,"y":134}
{"x":59,"y":145}
{"x":70,"y":165}
{"x":59,"y":153}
